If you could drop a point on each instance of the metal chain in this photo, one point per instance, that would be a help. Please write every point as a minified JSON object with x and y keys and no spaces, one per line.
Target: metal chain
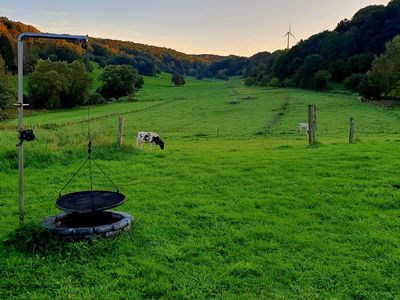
{"x":73,"y":176}
{"x":90,"y":164}
{"x":104,"y":173}
{"x":89,"y":134}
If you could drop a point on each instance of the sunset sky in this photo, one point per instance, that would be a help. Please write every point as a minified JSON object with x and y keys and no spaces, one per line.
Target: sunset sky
{"x":241,"y":27}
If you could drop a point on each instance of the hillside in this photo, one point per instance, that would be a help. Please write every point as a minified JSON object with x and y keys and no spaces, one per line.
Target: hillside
{"x":9,"y":31}
{"x":349,"y":49}
{"x":147,"y":59}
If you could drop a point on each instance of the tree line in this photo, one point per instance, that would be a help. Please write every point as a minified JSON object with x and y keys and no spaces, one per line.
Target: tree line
{"x":147,"y":60}
{"x":351,"y":54}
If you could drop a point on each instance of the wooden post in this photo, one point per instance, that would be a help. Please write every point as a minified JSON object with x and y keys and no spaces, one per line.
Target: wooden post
{"x":120,"y":129}
{"x":312,"y":125}
{"x":351,"y":135}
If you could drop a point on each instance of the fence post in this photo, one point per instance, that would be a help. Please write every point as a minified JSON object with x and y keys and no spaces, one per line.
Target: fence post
{"x":312,"y":125}
{"x":351,"y":135}
{"x":120,"y":129}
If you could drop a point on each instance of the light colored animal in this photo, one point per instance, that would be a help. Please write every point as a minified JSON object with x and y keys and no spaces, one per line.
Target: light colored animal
{"x":233,"y":101}
{"x":303,"y":127}
{"x":152,"y":138}
{"x":363,"y":99}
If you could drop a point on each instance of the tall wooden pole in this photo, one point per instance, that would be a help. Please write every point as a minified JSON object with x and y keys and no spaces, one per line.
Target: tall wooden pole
{"x":351,"y":134}
{"x":120,"y":129}
{"x":312,"y":125}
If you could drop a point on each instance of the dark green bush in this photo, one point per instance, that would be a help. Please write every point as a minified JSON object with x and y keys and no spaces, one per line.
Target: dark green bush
{"x":96,"y":98}
{"x":353,"y":81}
{"x":58,"y":84}
{"x":119,"y":81}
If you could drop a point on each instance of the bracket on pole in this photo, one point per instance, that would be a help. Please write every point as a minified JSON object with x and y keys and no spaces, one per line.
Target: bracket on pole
{"x":18,"y":105}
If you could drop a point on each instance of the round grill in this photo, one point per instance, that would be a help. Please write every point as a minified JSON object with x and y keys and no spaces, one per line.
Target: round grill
{"x":89,"y":201}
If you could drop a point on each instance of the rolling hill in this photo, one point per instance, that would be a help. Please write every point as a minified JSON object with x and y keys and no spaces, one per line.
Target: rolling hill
{"x":147,"y":59}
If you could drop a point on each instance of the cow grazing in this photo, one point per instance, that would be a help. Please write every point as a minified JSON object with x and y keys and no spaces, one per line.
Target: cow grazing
{"x":303,"y":127}
{"x":149,"y":138}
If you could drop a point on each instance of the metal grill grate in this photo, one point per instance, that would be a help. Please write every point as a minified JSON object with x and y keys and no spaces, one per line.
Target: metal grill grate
{"x":89,"y":201}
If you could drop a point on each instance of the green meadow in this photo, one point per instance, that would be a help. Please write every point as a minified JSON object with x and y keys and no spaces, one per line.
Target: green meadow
{"x":237,"y":206}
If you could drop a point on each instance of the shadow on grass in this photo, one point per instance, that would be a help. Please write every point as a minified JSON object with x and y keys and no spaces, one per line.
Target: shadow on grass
{"x":34,"y":240}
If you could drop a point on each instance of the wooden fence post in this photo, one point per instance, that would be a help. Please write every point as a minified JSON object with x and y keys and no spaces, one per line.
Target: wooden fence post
{"x":312,"y":125}
{"x":120,"y":129}
{"x":351,"y":135}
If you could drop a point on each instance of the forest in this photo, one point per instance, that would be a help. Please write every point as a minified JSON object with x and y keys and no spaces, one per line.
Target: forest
{"x":351,"y":54}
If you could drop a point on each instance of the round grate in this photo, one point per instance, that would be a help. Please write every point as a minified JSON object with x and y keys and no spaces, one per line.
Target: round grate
{"x":89,"y":201}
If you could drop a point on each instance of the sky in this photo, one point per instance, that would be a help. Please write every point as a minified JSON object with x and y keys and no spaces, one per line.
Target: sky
{"x":240,"y":27}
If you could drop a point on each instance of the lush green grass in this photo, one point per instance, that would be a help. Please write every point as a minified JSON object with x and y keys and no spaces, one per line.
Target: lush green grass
{"x":236,"y":207}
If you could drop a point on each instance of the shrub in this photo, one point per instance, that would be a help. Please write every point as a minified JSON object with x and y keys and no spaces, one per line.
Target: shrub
{"x":250,"y":81}
{"x":139,"y":83}
{"x":221,"y":74}
{"x":275,"y":82}
{"x":386,"y":69}
{"x":321,"y":79}
{"x":353,"y":81}
{"x":200,"y":75}
{"x":368,"y":88}
{"x":177,"y":79}
{"x":96,"y":98}
{"x":58,"y":84}
{"x":119,"y":81}
{"x":395,"y":92}
{"x":288,"y":82}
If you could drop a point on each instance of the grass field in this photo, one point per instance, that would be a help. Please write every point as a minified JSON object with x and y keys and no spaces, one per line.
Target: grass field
{"x":236,"y":207}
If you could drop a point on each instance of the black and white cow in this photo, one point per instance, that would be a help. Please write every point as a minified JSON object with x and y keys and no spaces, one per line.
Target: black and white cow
{"x":143,"y":137}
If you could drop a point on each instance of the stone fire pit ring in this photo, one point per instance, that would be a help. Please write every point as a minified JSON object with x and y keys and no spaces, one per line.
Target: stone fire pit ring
{"x":75,"y":226}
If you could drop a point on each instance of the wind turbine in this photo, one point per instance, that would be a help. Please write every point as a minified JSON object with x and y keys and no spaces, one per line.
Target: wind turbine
{"x":289,"y":34}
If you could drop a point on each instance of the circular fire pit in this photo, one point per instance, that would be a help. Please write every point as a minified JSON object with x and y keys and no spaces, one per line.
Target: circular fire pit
{"x":78,"y":226}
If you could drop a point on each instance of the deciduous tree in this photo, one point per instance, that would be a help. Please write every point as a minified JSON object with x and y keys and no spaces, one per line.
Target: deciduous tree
{"x":7,"y":94}
{"x":386,"y":68}
{"x":321,"y":80}
{"x":58,"y":84}
{"x":119,"y":81}
{"x":177,"y":79}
